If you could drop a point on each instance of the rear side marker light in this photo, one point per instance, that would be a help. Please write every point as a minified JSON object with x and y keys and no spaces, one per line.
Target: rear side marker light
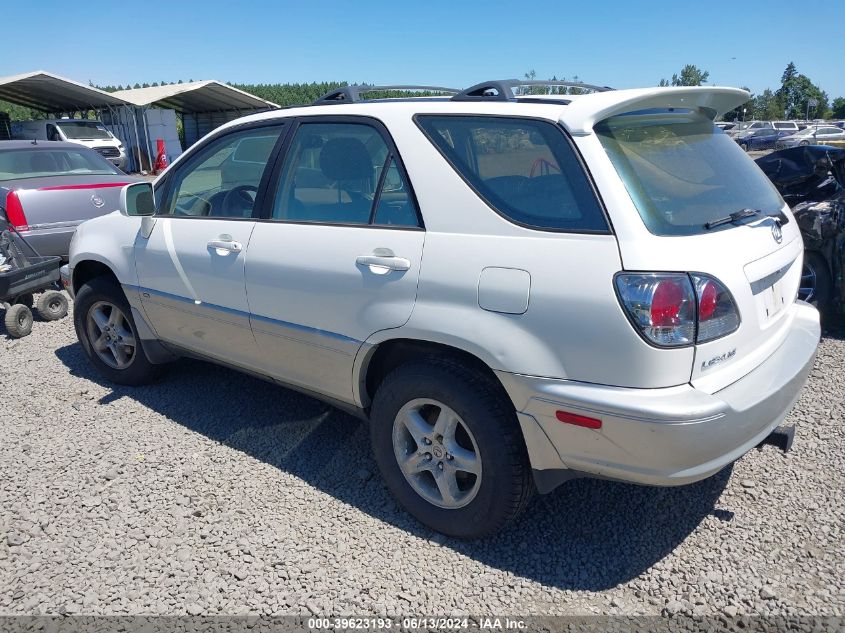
{"x":578,"y":420}
{"x":14,"y":212}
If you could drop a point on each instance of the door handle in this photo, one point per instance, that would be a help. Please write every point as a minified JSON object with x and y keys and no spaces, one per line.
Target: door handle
{"x":383,"y":261}
{"x":226,"y":243}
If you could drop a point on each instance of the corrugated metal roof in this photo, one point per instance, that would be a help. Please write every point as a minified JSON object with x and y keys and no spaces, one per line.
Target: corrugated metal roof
{"x":50,"y":93}
{"x":196,"y":96}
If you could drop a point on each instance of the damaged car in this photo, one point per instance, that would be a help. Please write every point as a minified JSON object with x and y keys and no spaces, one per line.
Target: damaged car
{"x":811,"y":180}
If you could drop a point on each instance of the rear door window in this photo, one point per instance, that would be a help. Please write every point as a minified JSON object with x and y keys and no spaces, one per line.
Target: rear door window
{"x":525,"y":169}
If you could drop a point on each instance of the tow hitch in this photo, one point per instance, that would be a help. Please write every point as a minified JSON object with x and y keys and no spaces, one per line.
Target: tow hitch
{"x":781,"y":437}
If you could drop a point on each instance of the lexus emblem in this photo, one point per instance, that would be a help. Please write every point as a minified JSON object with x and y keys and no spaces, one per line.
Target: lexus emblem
{"x":98,"y":201}
{"x":777,"y":233}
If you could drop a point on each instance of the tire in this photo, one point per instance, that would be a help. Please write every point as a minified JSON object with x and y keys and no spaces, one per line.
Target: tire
{"x":25,"y":300}
{"x":483,"y":503}
{"x":18,"y":321}
{"x":108,"y":350}
{"x":816,"y":283}
{"x":51,"y":305}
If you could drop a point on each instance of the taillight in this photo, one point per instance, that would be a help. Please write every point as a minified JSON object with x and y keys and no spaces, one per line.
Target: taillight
{"x":676,"y":309}
{"x":717,"y":312}
{"x":14,"y":211}
{"x":662,"y":306}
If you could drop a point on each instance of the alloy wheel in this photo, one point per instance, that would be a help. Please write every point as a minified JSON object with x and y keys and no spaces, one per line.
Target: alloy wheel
{"x":807,"y":287}
{"x":437,"y":453}
{"x":111,"y":335}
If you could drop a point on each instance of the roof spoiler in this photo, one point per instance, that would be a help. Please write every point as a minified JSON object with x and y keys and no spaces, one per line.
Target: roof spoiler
{"x":582,"y":114}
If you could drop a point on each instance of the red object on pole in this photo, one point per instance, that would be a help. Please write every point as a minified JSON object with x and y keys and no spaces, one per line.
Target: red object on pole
{"x":161,"y":156}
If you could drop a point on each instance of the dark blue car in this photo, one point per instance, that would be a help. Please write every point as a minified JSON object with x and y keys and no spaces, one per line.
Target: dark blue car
{"x":764,"y":138}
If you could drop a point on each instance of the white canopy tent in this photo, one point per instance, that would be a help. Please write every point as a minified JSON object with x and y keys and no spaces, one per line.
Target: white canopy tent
{"x":203,"y":105}
{"x":50,"y":93}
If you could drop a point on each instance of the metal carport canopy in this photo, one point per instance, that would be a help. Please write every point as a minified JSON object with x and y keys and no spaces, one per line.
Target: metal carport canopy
{"x":47,"y":92}
{"x":195,"y":97}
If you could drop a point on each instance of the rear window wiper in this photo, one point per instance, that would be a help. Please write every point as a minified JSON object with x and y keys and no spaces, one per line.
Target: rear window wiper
{"x":736,"y":216}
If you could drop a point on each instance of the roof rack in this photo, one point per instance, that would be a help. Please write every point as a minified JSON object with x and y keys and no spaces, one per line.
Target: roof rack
{"x":503,"y":89}
{"x":353,"y":94}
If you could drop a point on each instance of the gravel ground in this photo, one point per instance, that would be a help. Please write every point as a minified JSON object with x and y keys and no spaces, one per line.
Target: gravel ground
{"x":213,"y":492}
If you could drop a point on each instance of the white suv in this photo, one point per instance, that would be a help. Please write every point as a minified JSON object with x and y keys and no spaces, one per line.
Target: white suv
{"x":514,"y":290}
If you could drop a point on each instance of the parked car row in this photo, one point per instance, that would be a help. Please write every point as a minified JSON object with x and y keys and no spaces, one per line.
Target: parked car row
{"x":812,"y":136}
{"x":760,"y":138}
{"x":739,"y":127}
{"x":743,"y":127}
{"x":421,"y":263}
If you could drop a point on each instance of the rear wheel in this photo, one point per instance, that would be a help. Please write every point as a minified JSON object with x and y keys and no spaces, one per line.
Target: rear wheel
{"x":52,"y":305}
{"x":18,"y":320}
{"x":104,"y":326}
{"x":448,"y":445}
{"x":816,"y":286}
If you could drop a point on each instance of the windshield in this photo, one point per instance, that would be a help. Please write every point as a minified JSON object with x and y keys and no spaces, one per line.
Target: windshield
{"x":681,"y":173}
{"x":34,"y":163}
{"x":83,"y":129}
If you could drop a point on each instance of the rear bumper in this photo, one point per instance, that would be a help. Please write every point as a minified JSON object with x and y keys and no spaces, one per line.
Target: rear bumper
{"x":669,"y":436}
{"x":66,"y":278}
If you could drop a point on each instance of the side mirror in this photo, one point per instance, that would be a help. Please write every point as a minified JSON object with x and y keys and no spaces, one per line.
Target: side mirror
{"x":137,"y":199}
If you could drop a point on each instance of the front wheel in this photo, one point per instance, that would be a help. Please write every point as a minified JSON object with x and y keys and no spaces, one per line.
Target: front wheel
{"x":103,"y":322}
{"x":18,"y":320}
{"x":449,"y":447}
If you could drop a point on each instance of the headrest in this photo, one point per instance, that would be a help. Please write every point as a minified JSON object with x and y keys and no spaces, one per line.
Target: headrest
{"x":43,"y":161}
{"x":345,"y":158}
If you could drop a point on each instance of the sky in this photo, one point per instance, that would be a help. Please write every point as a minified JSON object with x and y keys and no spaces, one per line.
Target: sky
{"x":618,"y":43}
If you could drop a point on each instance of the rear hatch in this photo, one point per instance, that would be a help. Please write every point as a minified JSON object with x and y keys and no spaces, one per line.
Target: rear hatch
{"x":685,"y":179}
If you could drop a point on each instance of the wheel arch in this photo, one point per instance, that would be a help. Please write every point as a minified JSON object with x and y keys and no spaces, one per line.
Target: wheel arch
{"x":381,"y":358}
{"x":88,"y":269}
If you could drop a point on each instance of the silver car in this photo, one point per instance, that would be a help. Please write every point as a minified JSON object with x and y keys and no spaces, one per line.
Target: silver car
{"x":48,"y":188}
{"x":812,"y":136}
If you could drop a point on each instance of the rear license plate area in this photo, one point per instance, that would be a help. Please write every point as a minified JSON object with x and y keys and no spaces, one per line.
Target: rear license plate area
{"x":773,"y":299}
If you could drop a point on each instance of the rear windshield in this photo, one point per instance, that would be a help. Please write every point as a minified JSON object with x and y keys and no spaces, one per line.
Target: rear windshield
{"x":83,"y":129}
{"x":33,"y":163}
{"x":524,"y":169}
{"x":681,"y":172}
